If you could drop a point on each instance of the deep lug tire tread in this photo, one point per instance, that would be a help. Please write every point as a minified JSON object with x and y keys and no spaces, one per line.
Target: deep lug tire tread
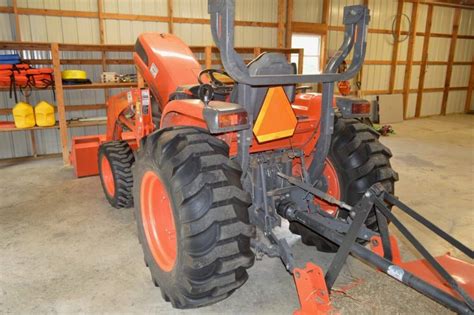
{"x":211,"y":216}
{"x":360,"y":161}
{"x":121,"y":159}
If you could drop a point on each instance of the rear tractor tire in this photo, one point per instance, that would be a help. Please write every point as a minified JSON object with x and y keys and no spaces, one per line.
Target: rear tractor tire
{"x":355,"y":162}
{"x":192,"y":216}
{"x":115,"y":171}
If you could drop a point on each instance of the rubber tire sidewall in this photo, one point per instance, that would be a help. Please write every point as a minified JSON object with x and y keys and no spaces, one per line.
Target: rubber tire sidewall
{"x":113,"y":200}
{"x":167,"y":280}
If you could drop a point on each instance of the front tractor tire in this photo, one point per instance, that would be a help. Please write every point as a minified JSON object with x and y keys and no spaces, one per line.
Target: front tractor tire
{"x":192,"y":216}
{"x":356,"y":161}
{"x":115,"y":170}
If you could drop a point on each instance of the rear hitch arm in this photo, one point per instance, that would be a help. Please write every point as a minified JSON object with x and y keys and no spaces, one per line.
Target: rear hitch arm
{"x":375,"y":199}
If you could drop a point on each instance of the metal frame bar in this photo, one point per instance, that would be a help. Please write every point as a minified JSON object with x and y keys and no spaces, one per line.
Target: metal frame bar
{"x":377,"y":196}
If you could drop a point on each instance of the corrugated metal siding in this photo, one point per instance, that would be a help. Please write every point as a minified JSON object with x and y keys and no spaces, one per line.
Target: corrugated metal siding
{"x":411,"y":105}
{"x":456,"y":101}
{"x":308,"y":11}
{"x":460,"y":76}
{"x":86,"y":30}
{"x":190,"y":9}
{"x":255,"y":36}
{"x":464,"y":50}
{"x":431,"y":103}
{"x":443,"y":18}
{"x":57,"y":29}
{"x":251,"y":10}
{"x":382,"y":13}
{"x":439,"y":49}
{"x":142,"y":7}
{"x":126,"y":32}
{"x":435,"y":76}
{"x":6,"y":32}
{"x":466,"y":26}
{"x":375,"y":77}
{"x":422,"y":14}
{"x":245,"y":36}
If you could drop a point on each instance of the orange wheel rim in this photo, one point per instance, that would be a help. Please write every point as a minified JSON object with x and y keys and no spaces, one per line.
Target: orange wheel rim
{"x":334,"y":190}
{"x":332,"y":182}
{"x":107,"y":176}
{"x":158,"y":221}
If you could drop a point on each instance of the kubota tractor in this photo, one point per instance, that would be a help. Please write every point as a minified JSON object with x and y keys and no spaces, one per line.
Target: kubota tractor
{"x":212,"y":168}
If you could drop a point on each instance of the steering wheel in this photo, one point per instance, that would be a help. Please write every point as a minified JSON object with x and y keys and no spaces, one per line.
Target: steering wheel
{"x":218,"y":86}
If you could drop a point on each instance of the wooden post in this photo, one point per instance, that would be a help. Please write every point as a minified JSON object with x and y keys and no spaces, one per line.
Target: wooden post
{"x":100,"y":11}
{"x":467,"y":106}
{"x":33,"y":143}
{"x":17,"y":21}
{"x":58,"y":86}
{"x":170,"y":16}
{"x":424,"y":59}
{"x":410,"y":53}
{"x":140,"y":80}
{"x":393,"y":66}
{"x":281,"y":24}
{"x":452,"y":50}
{"x":208,"y":57}
{"x":289,"y":22}
{"x":100,"y":16}
{"x":300,"y":60}
{"x":360,"y":74}
{"x":256,"y":52}
{"x":324,"y":37}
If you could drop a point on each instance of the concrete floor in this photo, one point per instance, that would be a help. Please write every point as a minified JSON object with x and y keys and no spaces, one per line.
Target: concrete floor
{"x":63,"y":249}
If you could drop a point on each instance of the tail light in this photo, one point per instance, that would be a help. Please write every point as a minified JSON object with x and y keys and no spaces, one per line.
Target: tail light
{"x":361,"y":108}
{"x":224,"y":117}
{"x":233,"y":119}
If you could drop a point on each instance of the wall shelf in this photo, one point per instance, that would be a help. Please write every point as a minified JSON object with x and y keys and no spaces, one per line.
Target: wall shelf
{"x":70,"y":124}
{"x":84,"y":86}
{"x":210,"y":58}
{"x":28,"y":129}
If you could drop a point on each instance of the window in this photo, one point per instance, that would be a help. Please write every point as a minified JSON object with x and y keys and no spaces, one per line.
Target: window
{"x":312,"y":50}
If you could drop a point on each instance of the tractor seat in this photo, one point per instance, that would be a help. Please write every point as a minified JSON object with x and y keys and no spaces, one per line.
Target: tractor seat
{"x":188,"y":92}
{"x":267,"y":64}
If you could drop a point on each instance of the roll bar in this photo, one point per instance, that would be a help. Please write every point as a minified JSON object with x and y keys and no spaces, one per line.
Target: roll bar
{"x":356,"y":19}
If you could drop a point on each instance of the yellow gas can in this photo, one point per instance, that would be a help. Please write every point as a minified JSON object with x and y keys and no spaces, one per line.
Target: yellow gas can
{"x":23,"y":115}
{"x":44,"y":113}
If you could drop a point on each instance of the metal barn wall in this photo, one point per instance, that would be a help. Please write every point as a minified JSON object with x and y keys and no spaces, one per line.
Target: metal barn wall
{"x":464,"y":52}
{"x":375,"y":77}
{"x":379,"y":48}
{"x":86,"y":30}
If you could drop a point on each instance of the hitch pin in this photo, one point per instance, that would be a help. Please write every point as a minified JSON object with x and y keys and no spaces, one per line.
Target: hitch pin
{"x":318,"y":193}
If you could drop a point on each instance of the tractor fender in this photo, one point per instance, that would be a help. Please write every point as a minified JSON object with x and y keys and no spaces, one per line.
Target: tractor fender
{"x":184,"y":113}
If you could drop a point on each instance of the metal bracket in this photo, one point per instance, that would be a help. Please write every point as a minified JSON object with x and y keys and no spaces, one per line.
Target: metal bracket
{"x":362,"y":210}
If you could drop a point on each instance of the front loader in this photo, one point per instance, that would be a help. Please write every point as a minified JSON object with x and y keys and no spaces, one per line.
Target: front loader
{"x":213,"y":168}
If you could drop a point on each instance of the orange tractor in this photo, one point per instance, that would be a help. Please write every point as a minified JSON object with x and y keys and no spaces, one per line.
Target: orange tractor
{"x":212,"y":168}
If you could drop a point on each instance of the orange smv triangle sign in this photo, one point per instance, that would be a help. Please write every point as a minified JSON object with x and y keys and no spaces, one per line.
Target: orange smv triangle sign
{"x":276,"y":119}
